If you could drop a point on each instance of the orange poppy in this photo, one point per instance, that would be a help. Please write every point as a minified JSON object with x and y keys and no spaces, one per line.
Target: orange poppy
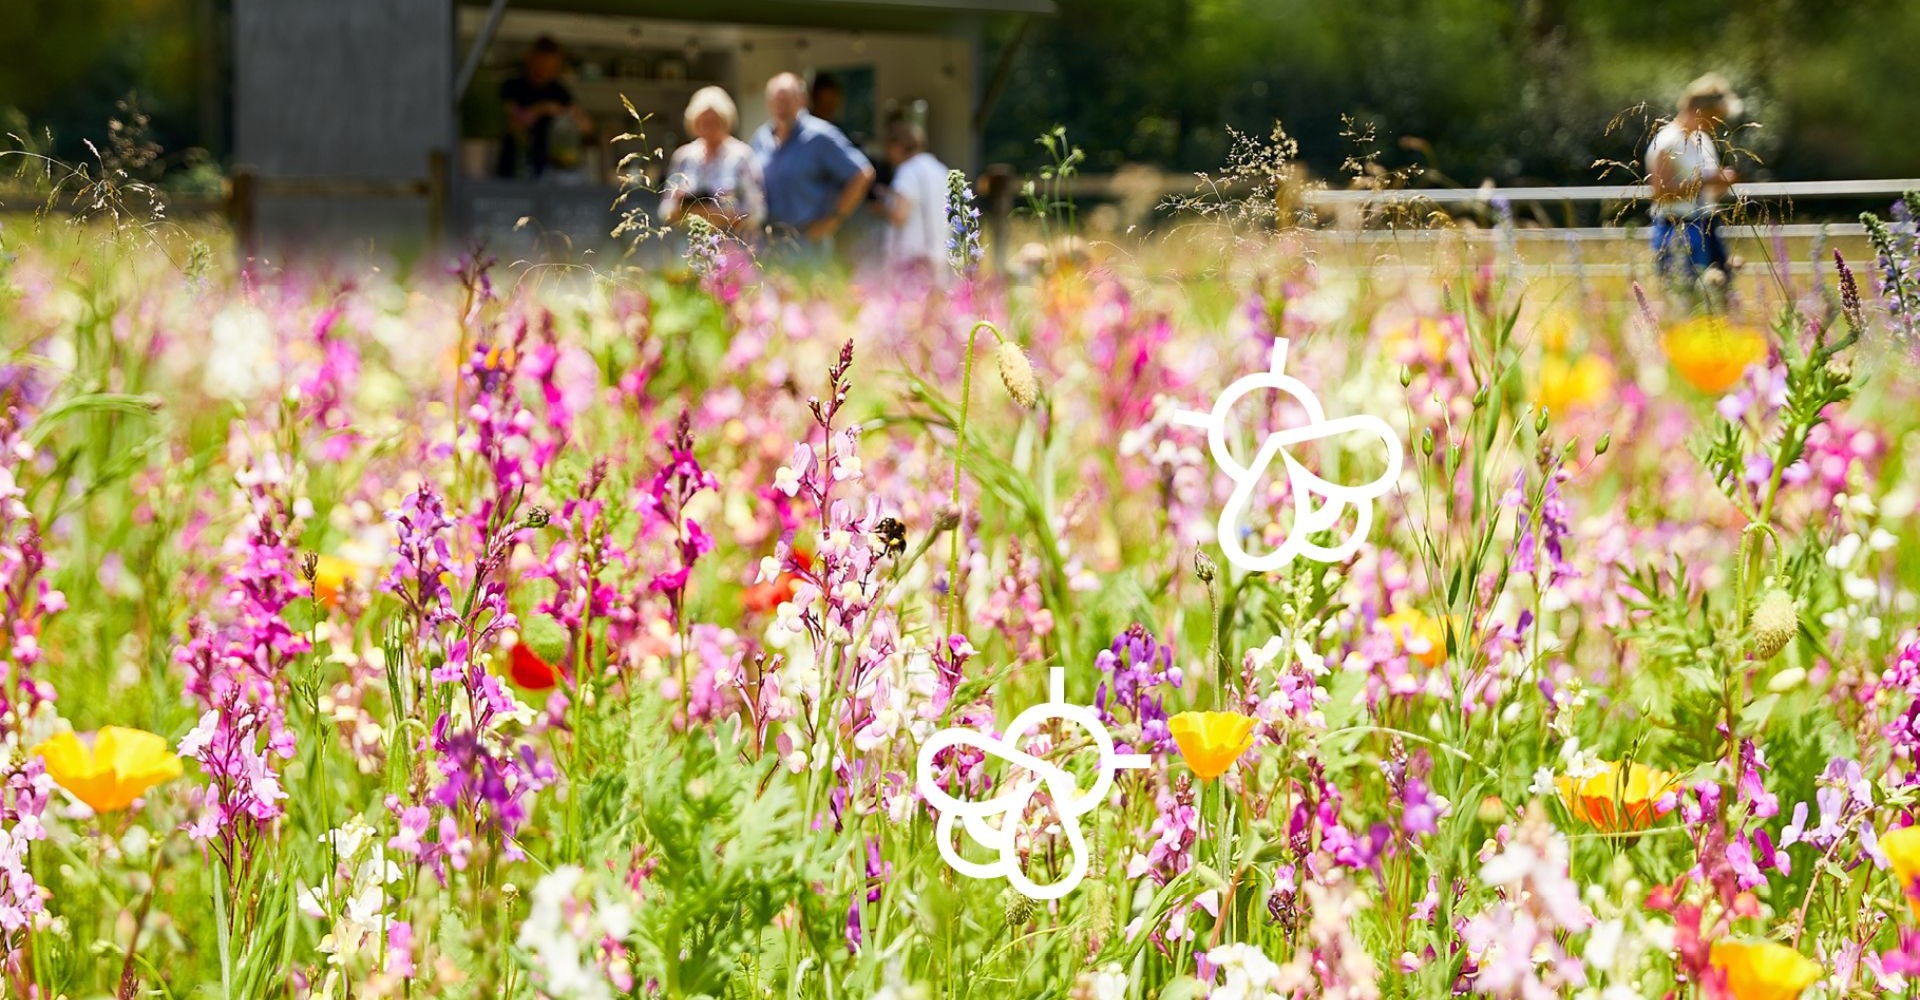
{"x":331,"y":576}
{"x":767,"y":595}
{"x":1211,"y":741}
{"x":1613,"y":803}
{"x":1711,"y":353}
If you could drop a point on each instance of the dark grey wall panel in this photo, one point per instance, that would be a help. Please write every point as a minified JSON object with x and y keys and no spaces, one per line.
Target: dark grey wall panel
{"x":342,"y":88}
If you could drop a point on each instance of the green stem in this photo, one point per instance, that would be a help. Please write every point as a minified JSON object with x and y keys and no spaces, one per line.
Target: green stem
{"x":959,"y":447}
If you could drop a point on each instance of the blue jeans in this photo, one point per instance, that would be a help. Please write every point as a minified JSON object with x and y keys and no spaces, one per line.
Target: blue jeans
{"x":1686,"y":245}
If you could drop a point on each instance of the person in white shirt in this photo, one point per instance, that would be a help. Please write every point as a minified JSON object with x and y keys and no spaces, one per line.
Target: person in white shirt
{"x":1683,"y":168}
{"x":714,"y":176}
{"x":915,"y":203}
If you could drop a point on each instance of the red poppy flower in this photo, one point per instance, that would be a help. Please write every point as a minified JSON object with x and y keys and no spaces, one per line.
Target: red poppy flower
{"x":529,"y":671}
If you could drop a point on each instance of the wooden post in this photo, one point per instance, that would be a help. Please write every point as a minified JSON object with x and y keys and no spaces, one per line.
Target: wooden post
{"x":438,"y":167}
{"x":997,"y":184}
{"x":241,"y":195}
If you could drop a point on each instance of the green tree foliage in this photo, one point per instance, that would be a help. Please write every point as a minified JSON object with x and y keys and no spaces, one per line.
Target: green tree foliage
{"x":70,"y":62}
{"x":1514,"y":90}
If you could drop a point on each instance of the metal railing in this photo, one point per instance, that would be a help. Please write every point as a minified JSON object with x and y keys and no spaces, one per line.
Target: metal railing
{"x":1604,"y":193}
{"x":1346,"y":202}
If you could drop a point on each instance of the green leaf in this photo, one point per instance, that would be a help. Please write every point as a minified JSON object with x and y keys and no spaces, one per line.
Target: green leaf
{"x":94,"y":402}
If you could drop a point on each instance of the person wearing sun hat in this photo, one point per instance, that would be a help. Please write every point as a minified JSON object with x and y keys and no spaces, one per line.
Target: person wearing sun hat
{"x":1688,"y":181}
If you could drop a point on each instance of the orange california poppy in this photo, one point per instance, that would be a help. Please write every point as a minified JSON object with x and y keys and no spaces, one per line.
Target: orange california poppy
{"x":1211,"y":741}
{"x":331,"y":575}
{"x":1613,"y":803}
{"x":1711,"y":353}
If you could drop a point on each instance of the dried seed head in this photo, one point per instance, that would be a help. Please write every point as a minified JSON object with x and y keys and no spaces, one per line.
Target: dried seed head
{"x":947,"y":518}
{"x":1016,"y":372}
{"x":1775,"y":622}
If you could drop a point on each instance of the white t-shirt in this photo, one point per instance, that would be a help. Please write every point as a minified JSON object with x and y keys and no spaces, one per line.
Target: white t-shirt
{"x":1694,"y":159}
{"x":921,"y":182}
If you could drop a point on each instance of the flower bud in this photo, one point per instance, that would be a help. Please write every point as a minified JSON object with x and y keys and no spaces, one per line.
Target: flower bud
{"x":545,"y":637}
{"x":1406,"y":376}
{"x":1774,"y":623}
{"x":1606,"y":441}
{"x":946,"y":518}
{"x":1203,"y":567}
{"x":1018,"y":908}
{"x":1100,"y":909}
{"x":1016,"y":373}
{"x":1426,"y":442}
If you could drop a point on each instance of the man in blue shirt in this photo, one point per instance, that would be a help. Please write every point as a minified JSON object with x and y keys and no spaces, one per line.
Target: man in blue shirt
{"x":814,"y":178}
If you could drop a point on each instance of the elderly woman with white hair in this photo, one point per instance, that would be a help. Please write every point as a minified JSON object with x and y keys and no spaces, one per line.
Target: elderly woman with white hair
{"x":714,"y":176}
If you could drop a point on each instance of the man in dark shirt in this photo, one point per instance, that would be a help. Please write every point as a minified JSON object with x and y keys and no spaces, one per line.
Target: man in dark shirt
{"x":536,"y":100}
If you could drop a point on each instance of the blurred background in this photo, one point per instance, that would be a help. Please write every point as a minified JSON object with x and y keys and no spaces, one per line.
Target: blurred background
{"x":352,"y":115}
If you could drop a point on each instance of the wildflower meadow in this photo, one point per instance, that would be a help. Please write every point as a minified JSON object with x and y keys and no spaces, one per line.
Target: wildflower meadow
{"x":502,"y":630}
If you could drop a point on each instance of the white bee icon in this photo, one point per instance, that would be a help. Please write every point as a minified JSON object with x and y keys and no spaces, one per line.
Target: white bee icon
{"x":1011,"y":801}
{"x":1319,"y":503}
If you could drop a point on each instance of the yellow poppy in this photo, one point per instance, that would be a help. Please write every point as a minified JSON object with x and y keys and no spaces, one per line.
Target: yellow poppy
{"x":1556,"y":330}
{"x":1582,"y":384}
{"x":1902,"y":848}
{"x":1711,"y":353}
{"x":118,"y":765}
{"x":1416,"y":339}
{"x":1412,"y":627}
{"x":331,"y":575}
{"x":1211,"y":741}
{"x":1763,"y":970}
{"x":1611,"y":804}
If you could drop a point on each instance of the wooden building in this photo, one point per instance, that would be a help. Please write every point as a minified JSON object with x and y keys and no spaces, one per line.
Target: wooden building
{"x":360,"y":121}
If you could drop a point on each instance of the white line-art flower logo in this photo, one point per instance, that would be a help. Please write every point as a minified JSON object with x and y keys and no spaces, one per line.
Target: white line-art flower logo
{"x":1319,"y":503}
{"x":1010,"y":803}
